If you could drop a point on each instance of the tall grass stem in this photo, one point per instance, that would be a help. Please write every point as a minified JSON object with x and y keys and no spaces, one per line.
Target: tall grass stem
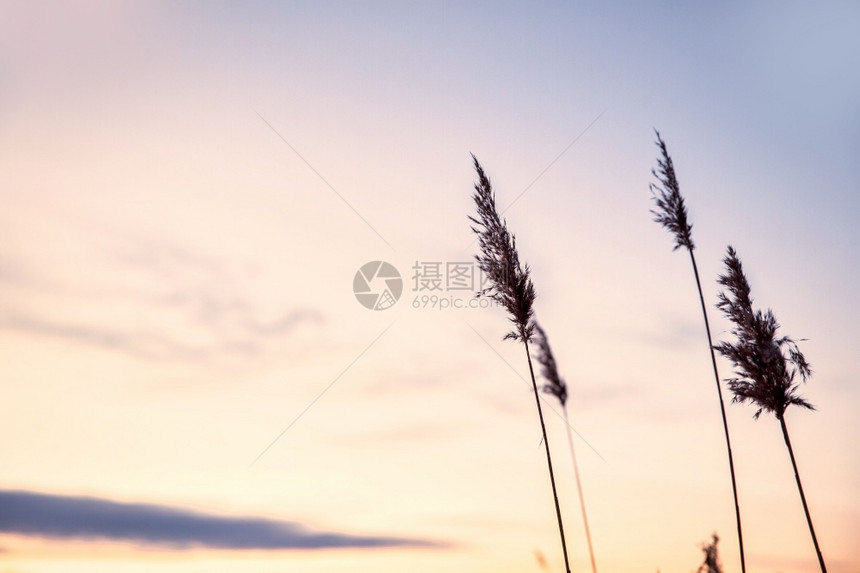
{"x":511,"y":286}
{"x":802,"y":496}
{"x":722,"y":411}
{"x":671,"y":213}
{"x":548,"y":459}
{"x":579,"y":490}
{"x":766,"y":365}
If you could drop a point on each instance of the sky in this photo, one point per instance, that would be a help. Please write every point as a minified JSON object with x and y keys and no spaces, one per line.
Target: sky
{"x":189,"y":382}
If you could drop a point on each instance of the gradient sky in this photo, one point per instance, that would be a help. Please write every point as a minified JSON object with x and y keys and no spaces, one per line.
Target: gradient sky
{"x":188,"y":189}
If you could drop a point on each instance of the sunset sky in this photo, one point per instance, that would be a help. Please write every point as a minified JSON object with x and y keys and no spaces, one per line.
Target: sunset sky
{"x":188,"y":383}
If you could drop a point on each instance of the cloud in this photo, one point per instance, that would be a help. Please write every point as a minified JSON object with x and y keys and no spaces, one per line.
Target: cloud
{"x":89,"y":518}
{"x":192,"y":307}
{"x":152,"y":344}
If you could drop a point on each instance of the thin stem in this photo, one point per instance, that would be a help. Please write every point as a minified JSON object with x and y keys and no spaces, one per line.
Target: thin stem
{"x":548,"y":458}
{"x":579,"y":489}
{"x":722,"y":411}
{"x":802,"y":497}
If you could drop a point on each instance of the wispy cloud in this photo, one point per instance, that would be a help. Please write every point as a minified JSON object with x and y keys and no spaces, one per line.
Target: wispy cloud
{"x":142,"y":344}
{"x":88,"y":518}
{"x":201,"y":303}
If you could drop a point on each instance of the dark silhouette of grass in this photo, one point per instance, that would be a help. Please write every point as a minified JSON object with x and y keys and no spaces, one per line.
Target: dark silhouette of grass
{"x":671,"y":213}
{"x":511,"y":286}
{"x":765,"y":365}
{"x":712,"y":559}
{"x":556,"y":386}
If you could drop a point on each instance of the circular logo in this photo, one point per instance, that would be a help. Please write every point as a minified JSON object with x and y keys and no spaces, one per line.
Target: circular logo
{"x":377,"y":285}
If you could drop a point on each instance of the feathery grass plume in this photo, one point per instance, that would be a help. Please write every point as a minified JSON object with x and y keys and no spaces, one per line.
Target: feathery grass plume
{"x":511,"y":286}
{"x":766,"y":366}
{"x":671,"y":213}
{"x":556,"y":386}
{"x":510,"y":283}
{"x":712,"y":560}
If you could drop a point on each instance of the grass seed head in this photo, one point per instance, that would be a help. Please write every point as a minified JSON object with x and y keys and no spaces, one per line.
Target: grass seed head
{"x":671,"y":212}
{"x":766,"y":365}
{"x":510,"y":283}
{"x":555,"y":384}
